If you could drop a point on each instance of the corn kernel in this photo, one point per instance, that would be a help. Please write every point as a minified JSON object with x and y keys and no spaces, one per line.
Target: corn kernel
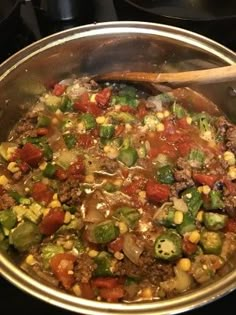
{"x":68,"y":244}
{"x":184,"y":264}
{"x":160,"y":127}
{"x":30,"y":260}
{"x":194,"y":237}
{"x":10,"y":152}
{"x":12,"y":167}
{"x":55,"y":196}
{"x":67,"y":217}
{"x":189,"y":120}
{"x":146,"y":293}
{"x":42,"y":166}
{"x":200,"y":216}
{"x":55,"y":121}
{"x":93,"y":98}
{"x":206,"y":189}
{"x":111,"y":152}
{"x":200,"y":189}
{"x":46,"y":211}
{"x":100,"y":120}
{"x":81,"y":127}
{"x":3,"y":180}
{"x":76,"y":289}
{"x":128,"y":127}
{"x":232,"y":172}
{"x":93,"y":253}
{"x":166,"y":113}
{"x":142,"y":196}
{"x":178,"y":217}
{"x":160,"y":115}
{"x":119,"y":255}
{"x":229,"y":157}
{"x":89,"y":179}
{"x":123,"y":227}
{"x":55,"y":204}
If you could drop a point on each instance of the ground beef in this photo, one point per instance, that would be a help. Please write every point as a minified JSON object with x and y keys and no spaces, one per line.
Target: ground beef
{"x":6,"y":201}
{"x":17,"y":176}
{"x":109,"y":166}
{"x":84,"y":268}
{"x":231,"y":137}
{"x":148,"y":268}
{"x":222,"y":126}
{"x":182,"y":164}
{"x":26,"y":126}
{"x":183,"y":177}
{"x":230,"y":206}
{"x":69,"y":192}
{"x":176,"y":188}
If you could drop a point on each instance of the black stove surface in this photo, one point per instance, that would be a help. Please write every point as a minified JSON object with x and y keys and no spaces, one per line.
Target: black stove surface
{"x":31,"y":27}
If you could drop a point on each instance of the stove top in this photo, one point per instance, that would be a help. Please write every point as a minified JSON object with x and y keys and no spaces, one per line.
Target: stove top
{"x":31,"y":26}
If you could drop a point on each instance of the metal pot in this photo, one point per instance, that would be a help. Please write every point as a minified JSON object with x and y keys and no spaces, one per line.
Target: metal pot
{"x":95,"y":49}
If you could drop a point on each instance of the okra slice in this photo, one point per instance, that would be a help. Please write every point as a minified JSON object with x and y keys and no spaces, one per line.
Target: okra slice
{"x":128,"y":215}
{"x":103,"y":232}
{"x":104,"y":263}
{"x":214,"y":221}
{"x":168,"y":246}
{"x":211,"y":242}
{"x":128,"y":156}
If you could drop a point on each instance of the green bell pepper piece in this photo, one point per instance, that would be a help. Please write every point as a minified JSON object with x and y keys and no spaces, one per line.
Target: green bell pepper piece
{"x":128,"y":156}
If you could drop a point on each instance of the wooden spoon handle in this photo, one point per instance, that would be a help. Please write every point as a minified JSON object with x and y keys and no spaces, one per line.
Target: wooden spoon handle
{"x":220,"y":74}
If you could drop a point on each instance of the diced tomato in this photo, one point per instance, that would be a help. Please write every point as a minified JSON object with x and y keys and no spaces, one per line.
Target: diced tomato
{"x":85,"y":140}
{"x":94,"y":109}
{"x":61,"y":265}
{"x":125,"y":172}
{"x":31,"y":154}
{"x":119,"y":129}
{"x":184,"y":148}
{"x":61,"y":174}
{"x":15,"y":155}
{"x":231,"y":225}
{"x":42,"y":193}
{"x":188,"y":247}
{"x":77,"y":169}
{"x":42,"y":131}
{"x":116,"y":245}
{"x":157,"y":192}
{"x":24,"y":167}
{"x":182,"y":123}
{"x":230,"y":186}
{"x":103,"y":97}
{"x":52,"y":221}
{"x":163,"y":148}
{"x":137,"y":184}
{"x":84,"y":105}
{"x":142,"y":111}
{"x":203,"y":179}
{"x":105,"y":282}
{"x":170,"y":127}
{"x":112,"y":295}
{"x":58,"y":89}
{"x":87,"y":291}
{"x":127,"y":109}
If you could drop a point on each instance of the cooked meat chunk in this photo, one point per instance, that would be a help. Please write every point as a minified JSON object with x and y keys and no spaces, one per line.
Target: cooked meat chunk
{"x":229,"y":246}
{"x":69,"y":192}
{"x":230,"y":206}
{"x":6,"y":201}
{"x":231,"y":137}
{"x":222,"y":125}
{"x":109,"y":166}
{"x":84,"y":268}
{"x":26,"y":126}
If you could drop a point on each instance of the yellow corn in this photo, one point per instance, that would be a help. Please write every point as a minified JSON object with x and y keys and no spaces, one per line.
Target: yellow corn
{"x":189,"y":120}
{"x":206,"y":189}
{"x":146,"y":293}
{"x":12,"y":167}
{"x":67,"y":217}
{"x":194,"y":237}
{"x":178,"y":217}
{"x":200,"y":216}
{"x":89,"y":179}
{"x":166,"y":113}
{"x":42,"y":166}
{"x":160,"y":115}
{"x":100,"y":120}
{"x":119,"y":255}
{"x":111,"y":152}
{"x":3,"y":180}
{"x":123,"y":227}
{"x":93,"y":253}
{"x":93,"y":98}
{"x":30,"y":260}
{"x":184,"y":264}
{"x":160,"y":127}
{"x":55,"y":196}
{"x":55,"y":204}
{"x":76,"y":289}
{"x":232,"y":172}
{"x":229,"y":157}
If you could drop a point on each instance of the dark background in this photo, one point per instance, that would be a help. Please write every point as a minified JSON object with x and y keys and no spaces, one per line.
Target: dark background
{"x":11,"y":298}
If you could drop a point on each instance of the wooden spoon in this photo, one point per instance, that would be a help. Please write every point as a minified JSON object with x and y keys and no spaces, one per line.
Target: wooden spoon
{"x":219,"y":74}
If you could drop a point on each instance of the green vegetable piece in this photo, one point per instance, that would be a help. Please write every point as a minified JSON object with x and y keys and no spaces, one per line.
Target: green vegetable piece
{"x":214,"y":221}
{"x":25,"y":235}
{"x":197,"y":157}
{"x":104,"y":232}
{"x":49,"y":170}
{"x":131,"y":281}
{"x":211,"y":242}
{"x":123,"y":117}
{"x":2,"y":236}
{"x":165,"y":215}
{"x":107,"y":131}
{"x":126,"y":96}
{"x":193,"y":199}
{"x":50,"y":250}
{"x":66,"y":158}
{"x":88,"y":120}
{"x":104,"y":262}
{"x":70,"y":140}
{"x":4,"y":245}
{"x":109,"y":187}
{"x":79,"y":246}
{"x":43,"y":121}
{"x":165,"y":175}
{"x":187,"y":225}
{"x":71,"y":209}
{"x":34,"y":213}
{"x":15,"y":195}
{"x":128,"y":156}
{"x":47,"y":152}
{"x":216,"y":201}
{"x":151,"y":122}
{"x":178,"y":111}
{"x":168,"y":246}
{"x":128,"y":215}
{"x":66,"y":104}
{"x":8,"y":219}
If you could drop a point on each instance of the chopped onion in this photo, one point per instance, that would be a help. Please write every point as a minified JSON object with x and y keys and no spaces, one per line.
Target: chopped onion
{"x":67,"y":81}
{"x":180,"y":205}
{"x":155,"y":103}
{"x":93,"y":215}
{"x":131,"y":249}
{"x":183,"y":280}
{"x":75,"y":90}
